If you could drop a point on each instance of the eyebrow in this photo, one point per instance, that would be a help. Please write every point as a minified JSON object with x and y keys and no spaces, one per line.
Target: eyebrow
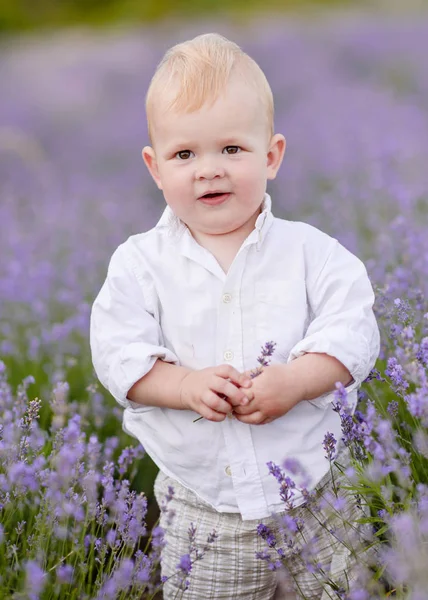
{"x":179,"y":145}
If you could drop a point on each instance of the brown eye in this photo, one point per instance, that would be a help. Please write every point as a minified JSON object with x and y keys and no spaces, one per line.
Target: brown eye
{"x":184,"y":154}
{"x":232,"y":149}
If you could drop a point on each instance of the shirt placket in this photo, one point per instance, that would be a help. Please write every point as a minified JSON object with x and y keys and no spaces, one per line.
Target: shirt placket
{"x":242,"y":462}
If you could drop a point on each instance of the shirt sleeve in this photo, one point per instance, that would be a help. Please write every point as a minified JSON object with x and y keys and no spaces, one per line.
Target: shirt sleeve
{"x":343,"y":324}
{"x":125,"y":337}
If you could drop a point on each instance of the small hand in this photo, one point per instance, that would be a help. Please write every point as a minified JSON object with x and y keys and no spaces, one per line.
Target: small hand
{"x":214,"y":391}
{"x":274,"y":395}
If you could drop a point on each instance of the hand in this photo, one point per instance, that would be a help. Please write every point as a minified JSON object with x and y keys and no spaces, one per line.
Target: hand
{"x":275,"y":393}
{"x":214,"y":392}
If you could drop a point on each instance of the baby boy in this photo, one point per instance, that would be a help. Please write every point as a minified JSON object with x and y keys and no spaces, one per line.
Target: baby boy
{"x":187,"y":306}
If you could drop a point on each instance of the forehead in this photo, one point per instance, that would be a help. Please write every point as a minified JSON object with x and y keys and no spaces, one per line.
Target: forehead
{"x":237,"y":111}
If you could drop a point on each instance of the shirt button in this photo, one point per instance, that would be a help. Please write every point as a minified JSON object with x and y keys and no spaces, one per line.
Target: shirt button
{"x":227,"y":298}
{"x":228,"y":355}
{"x":228,"y":471}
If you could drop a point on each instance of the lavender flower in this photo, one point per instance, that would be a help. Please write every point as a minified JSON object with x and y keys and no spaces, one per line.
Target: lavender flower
{"x":64,"y":574}
{"x":287,"y":485}
{"x":266,"y":533}
{"x":422,"y":352}
{"x":396,"y":372}
{"x":185,"y":564}
{"x":128,"y":455}
{"x":35,"y":579}
{"x":329,"y":445}
{"x":263,"y":359}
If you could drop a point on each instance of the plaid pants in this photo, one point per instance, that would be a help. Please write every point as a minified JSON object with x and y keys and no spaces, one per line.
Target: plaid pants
{"x":230,"y":570}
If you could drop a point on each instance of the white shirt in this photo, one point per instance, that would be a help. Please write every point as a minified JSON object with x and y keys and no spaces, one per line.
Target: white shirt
{"x":167,"y":297}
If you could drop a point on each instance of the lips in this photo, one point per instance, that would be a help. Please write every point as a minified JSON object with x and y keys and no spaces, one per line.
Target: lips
{"x":214,"y":198}
{"x":213,"y":194}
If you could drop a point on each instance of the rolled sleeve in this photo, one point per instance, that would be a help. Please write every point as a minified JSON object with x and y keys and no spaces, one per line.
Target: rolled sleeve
{"x":125,"y":337}
{"x":341,"y":299}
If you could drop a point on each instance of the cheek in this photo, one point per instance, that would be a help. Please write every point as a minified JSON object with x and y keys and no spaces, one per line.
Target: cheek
{"x":174,"y":179}
{"x":250,"y":182}
{"x":177,"y":191}
{"x":251,"y":169}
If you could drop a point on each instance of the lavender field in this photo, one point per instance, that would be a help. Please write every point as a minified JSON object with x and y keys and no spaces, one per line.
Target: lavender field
{"x":352,"y":101}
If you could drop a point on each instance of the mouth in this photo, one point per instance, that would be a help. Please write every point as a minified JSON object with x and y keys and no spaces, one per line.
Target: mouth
{"x":214,"y":198}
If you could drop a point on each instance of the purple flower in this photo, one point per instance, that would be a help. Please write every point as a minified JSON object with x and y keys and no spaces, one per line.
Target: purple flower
{"x":392,"y":408}
{"x":128,"y":455}
{"x":287,"y":485}
{"x":263,"y":359}
{"x":272,"y":563}
{"x":267,"y":534}
{"x":119,"y":581}
{"x":418,"y":405}
{"x":64,"y":574}
{"x":340,"y":394}
{"x":143,"y":568}
{"x":396,"y":373}
{"x":158,"y":537}
{"x":23,"y":476}
{"x":111,"y":537}
{"x":191,"y":532}
{"x":212,"y":537}
{"x":292,"y":524}
{"x":185,"y":564}
{"x":35,"y":579}
{"x":329,"y":445}
{"x":263,"y":555}
{"x":293,"y":465}
{"x":422,"y":352}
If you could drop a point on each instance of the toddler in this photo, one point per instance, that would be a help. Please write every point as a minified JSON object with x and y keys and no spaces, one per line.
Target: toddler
{"x":187,"y":306}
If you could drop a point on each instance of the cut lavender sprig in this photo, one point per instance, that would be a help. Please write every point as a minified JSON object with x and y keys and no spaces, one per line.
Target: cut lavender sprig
{"x":267,"y":350}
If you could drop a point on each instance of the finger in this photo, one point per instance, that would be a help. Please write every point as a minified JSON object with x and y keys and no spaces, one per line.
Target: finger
{"x":216,"y":403}
{"x":254,"y":418}
{"x":249,"y":394}
{"x":245,"y":409}
{"x":210,"y":414}
{"x":246,"y":398}
{"x":235,"y":395}
{"x":248,"y":373}
{"x":247,"y":377}
{"x":229,"y":372}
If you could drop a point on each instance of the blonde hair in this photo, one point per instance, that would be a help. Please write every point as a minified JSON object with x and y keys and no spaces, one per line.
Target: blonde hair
{"x":199,"y":70}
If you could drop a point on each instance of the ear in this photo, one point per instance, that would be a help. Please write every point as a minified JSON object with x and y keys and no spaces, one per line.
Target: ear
{"x":275,"y":155}
{"x":149,"y":158}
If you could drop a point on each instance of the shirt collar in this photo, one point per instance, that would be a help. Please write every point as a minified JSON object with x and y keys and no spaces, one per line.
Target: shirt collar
{"x":176,"y":228}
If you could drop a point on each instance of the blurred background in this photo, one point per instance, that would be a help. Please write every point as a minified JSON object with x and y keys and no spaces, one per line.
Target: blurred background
{"x":350,"y":81}
{"x":23,"y":15}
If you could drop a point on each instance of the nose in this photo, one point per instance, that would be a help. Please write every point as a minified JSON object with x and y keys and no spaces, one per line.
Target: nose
{"x":209,"y":168}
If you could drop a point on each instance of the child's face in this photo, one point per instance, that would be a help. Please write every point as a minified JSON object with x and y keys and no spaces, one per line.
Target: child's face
{"x":221,"y":148}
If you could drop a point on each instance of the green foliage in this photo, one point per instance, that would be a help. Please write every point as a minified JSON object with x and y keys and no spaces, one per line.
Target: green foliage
{"x":21,"y":15}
